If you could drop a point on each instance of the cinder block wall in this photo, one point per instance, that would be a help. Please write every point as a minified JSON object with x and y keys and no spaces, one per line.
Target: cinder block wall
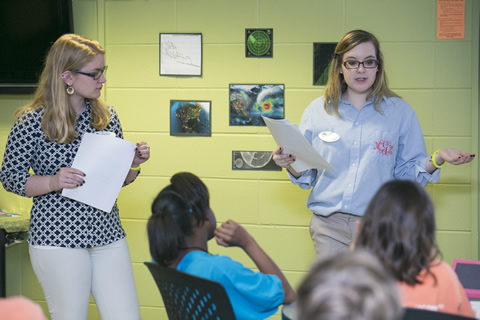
{"x":439,"y":78}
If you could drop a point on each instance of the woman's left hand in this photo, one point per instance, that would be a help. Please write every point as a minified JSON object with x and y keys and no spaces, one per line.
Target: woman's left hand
{"x":142,"y":154}
{"x":455,"y":156}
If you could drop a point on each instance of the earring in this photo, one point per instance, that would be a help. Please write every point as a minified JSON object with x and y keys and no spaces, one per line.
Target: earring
{"x":70,"y":90}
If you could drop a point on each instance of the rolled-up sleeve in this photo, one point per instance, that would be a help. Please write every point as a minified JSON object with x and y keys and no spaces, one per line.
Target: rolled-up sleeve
{"x":411,"y":159}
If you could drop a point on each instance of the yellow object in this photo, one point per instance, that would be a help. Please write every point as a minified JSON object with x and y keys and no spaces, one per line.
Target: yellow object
{"x":433,"y":160}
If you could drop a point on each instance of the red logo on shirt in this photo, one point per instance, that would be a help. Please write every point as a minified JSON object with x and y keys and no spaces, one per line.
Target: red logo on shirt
{"x":384,"y":147}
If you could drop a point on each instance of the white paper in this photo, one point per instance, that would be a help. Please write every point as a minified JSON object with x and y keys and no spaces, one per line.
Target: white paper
{"x":476,"y":308}
{"x":105,"y":160}
{"x":290,"y":138}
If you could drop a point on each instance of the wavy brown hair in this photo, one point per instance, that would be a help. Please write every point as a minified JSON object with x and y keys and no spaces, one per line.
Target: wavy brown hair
{"x":336,"y":84}
{"x":69,"y":52}
{"x":399,"y":228}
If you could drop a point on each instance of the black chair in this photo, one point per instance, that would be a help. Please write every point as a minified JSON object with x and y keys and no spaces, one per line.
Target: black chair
{"x":189,"y":297}
{"x":419,"y":314}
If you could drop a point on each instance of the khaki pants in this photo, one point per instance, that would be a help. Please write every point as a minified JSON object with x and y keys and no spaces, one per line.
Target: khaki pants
{"x":333,"y":233}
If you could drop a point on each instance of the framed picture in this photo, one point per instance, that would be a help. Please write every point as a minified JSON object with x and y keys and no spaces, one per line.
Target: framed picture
{"x":181,"y":54}
{"x":253,"y":160}
{"x":322,"y":59}
{"x":249,"y":102}
{"x":190,"y":118}
{"x":259,"y":43}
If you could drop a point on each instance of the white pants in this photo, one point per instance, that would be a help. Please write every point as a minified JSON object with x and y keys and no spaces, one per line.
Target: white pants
{"x":67,"y":277}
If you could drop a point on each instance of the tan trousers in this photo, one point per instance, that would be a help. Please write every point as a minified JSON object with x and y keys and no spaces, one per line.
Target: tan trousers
{"x":333,"y":233}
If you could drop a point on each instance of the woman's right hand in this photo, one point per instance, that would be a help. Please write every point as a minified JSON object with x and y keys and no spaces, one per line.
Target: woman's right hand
{"x":66,"y":178}
{"x":283,"y":160}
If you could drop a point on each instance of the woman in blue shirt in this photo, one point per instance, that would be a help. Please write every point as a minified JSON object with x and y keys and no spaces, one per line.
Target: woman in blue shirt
{"x":181,"y":224}
{"x":369,"y":135}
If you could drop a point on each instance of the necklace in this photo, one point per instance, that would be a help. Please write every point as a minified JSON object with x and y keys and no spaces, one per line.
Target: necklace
{"x":194,"y":248}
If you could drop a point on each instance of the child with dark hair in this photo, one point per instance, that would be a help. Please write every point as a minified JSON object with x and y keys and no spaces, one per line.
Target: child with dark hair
{"x":179,"y":229}
{"x":399,"y":228}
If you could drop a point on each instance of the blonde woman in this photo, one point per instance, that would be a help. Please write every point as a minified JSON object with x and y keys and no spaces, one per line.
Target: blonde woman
{"x":75,"y":249}
{"x":368,"y":134}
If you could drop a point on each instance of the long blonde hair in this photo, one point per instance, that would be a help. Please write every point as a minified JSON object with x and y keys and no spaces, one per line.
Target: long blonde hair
{"x":336,"y":83}
{"x":70,"y":52}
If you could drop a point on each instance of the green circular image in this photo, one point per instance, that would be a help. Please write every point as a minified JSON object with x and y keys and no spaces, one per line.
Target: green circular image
{"x":258,"y":43}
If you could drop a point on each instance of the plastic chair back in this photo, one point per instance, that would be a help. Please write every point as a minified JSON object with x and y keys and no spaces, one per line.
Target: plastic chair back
{"x":419,"y":314}
{"x":189,"y":297}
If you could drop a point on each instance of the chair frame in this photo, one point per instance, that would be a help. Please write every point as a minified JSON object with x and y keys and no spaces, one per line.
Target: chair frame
{"x":186,"y":296}
{"x":420,"y":314}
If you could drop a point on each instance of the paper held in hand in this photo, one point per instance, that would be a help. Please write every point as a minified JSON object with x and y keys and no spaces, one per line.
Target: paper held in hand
{"x":105,"y":160}
{"x":290,"y":138}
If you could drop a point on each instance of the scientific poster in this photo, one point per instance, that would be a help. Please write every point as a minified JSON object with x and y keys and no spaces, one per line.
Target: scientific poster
{"x":249,"y":102}
{"x":181,"y":54}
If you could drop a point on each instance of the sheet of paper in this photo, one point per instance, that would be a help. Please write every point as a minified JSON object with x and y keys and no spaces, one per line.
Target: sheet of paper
{"x":106,"y":161}
{"x":450,"y":19}
{"x":291,"y":139}
{"x":476,"y":308}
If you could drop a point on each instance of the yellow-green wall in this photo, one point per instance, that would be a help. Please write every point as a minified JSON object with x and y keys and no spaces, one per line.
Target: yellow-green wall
{"x":439,"y":78}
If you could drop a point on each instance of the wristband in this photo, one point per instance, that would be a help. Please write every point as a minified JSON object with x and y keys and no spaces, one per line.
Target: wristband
{"x":433,"y":160}
{"x":138,"y":168}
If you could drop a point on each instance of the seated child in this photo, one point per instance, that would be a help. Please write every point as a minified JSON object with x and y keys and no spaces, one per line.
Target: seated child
{"x":179,"y":229}
{"x":351,"y":285}
{"x":399,"y":228}
{"x":20,"y":308}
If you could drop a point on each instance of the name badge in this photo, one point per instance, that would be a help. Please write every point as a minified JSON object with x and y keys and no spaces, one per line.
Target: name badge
{"x":329,"y":136}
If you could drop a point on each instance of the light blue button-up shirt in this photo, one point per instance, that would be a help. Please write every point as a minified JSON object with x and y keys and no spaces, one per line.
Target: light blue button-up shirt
{"x":373,"y":148}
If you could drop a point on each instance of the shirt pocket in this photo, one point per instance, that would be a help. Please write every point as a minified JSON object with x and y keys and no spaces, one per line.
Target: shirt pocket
{"x":381,"y":148}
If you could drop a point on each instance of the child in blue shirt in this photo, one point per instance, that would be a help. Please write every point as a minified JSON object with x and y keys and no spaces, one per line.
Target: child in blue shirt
{"x":179,"y":229}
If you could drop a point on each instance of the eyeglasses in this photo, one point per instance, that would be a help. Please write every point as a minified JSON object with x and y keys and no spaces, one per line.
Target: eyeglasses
{"x":95,"y":75}
{"x":367,"y":64}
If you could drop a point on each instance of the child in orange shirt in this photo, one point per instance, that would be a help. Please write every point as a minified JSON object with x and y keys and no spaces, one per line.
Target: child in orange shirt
{"x":399,"y":227}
